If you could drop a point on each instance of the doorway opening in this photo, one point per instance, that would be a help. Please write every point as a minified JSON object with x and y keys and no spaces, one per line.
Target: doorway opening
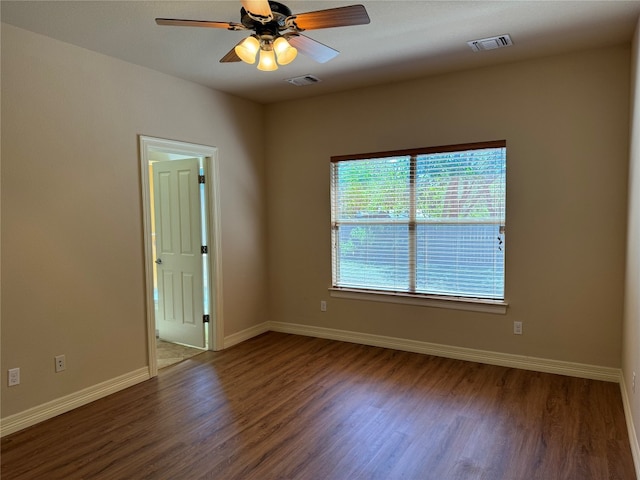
{"x":182,"y":248}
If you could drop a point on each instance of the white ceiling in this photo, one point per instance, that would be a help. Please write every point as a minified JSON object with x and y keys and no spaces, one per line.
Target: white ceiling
{"x":405,"y":39}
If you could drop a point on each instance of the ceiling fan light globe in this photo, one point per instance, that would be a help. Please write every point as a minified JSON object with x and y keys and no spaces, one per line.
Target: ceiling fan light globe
{"x":284,"y":51}
{"x":247,"y":49}
{"x":267,"y":62}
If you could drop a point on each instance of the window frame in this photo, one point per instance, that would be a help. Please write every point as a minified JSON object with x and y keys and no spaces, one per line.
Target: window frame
{"x":409,"y":297}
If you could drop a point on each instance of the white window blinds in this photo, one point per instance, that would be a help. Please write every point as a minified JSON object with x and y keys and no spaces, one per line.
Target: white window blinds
{"x":426,"y":221}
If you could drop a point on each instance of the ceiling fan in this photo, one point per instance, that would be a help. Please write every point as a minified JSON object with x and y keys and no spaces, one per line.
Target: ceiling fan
{"x":277,"y":33}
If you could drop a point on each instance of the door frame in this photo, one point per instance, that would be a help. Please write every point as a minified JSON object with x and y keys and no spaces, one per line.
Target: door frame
{"x":148,"y":145}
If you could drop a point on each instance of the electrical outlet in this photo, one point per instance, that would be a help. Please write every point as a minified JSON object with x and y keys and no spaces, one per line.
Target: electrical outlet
{"x":61,"y":363}
{"x":517,"y":328}
{"x":14,"y":376}
{"x":323,"y":305}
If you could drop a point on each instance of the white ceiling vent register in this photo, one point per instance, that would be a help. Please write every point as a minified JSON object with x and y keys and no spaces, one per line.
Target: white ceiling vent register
{"x":490,"y":43}
{"x":303,"y":80}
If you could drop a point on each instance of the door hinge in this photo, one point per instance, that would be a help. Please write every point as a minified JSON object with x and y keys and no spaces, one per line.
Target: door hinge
{"x":204,"y":249}
{"x":200,"y":178}
{"x":205,"y":318}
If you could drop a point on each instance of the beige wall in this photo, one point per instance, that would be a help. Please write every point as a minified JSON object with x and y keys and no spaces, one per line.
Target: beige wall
{"x":72,"y":248}
{"x":565,"y":119}
{"x":72,"y":252}
{"x":631,"y":328}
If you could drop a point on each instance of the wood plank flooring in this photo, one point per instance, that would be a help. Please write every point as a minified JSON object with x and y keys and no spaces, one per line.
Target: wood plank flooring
{"x":290,"y":407}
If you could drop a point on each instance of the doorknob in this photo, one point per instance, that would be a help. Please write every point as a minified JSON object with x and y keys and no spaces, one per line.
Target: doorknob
{"x":159,"y":261}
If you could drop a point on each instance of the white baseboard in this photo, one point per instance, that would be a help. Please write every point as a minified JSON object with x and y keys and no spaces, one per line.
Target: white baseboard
{"x":559,"y":367}
{"x":48,"y":410}
{"x":241,"y":336}
{"x":633,"y":437}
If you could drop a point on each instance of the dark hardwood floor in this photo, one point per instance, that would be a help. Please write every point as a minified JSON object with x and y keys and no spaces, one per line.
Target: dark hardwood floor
{"x":289,"y":407}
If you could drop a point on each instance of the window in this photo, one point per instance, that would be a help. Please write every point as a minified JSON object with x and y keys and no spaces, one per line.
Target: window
{"x":423,"y":222}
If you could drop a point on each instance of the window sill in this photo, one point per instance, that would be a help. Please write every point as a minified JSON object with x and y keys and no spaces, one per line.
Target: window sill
{"x":454,"y":303}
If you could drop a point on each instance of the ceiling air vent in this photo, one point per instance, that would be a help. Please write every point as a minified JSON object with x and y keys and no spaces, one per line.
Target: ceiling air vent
{"x":303,"y":80}
{"x":490,"y":43}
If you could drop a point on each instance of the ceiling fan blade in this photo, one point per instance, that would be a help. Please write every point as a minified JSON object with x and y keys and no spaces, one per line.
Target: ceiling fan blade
{"x":311,"y":48}
{"x":258,"y":9}
{"x":231,"y":56}
{"x":332,"y":17}
{"x":176,"y":22}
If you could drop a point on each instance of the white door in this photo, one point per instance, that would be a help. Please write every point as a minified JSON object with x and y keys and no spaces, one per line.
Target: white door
{"x":180,"y":290}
